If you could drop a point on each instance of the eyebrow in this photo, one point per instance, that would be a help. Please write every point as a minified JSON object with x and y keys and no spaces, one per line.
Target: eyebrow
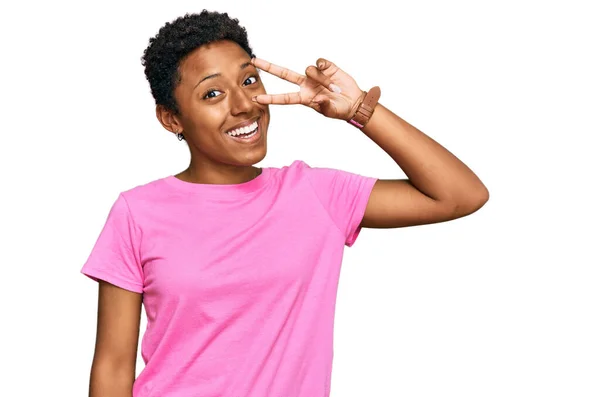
{"x":212,"y":76}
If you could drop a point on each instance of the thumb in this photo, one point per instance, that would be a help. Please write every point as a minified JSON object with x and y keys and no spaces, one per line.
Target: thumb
{"x":323,"y":64}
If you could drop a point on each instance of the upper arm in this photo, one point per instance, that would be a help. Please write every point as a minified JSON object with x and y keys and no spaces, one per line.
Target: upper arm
{"x":118,"y":328}
{"x":398,"y":203}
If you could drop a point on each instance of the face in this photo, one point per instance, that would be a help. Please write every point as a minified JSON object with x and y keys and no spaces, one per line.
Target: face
{"x":214,"y":96}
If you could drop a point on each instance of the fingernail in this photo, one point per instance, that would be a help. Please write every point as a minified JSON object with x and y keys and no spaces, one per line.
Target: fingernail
{"x":254,"y":98}
{"x":335,"y":88}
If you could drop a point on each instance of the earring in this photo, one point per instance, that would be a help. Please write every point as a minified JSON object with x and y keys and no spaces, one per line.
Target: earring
{"x":180,"y":136}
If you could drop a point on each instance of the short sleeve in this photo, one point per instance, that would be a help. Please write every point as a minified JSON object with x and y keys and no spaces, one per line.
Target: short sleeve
{"x":115,"y":255}
{"x":344,"y":195}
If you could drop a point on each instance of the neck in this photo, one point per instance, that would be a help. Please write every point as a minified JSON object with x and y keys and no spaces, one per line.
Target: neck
{"x":228,"y":175}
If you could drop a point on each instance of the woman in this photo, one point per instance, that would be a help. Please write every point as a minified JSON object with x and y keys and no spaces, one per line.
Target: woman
{"x":237,"y":266}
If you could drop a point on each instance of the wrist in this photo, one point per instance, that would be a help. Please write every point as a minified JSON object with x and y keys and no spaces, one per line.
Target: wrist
{"x":364,"y":107}
{"x":356,"y":105}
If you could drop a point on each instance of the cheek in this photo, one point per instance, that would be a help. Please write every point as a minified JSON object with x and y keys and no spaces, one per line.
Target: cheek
{"x":261,"y":88}
{"x":208,"y":118}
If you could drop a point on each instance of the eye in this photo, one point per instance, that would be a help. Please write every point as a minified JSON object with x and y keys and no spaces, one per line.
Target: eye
{"x":254,"y":77}
{"x":208,"y":92}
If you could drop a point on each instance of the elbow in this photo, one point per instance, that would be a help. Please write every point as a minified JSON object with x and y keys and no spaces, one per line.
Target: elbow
{"x":474,"y":202}
{"x":482,"y":197}
{"x":478,"y":202}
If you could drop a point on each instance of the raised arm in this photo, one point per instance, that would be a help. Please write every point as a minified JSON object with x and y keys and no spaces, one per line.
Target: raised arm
{"x":439,"y":188}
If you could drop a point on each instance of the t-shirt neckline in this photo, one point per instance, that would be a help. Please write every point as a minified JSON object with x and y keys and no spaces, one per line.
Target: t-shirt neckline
{"x":222,"y":191}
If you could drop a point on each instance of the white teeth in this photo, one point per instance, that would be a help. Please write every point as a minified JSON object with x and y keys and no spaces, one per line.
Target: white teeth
{"x":243,"y":130}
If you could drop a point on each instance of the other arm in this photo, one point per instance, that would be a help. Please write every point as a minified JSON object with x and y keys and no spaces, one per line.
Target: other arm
{"x":113,"y":367}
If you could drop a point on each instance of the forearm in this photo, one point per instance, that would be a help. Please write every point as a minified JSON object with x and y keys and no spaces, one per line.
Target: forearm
{"x":431,"y":168}
{"x":111,"y":381}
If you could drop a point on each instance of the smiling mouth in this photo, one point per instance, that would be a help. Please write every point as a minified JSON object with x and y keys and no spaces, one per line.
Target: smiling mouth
{"x":246,"y":133}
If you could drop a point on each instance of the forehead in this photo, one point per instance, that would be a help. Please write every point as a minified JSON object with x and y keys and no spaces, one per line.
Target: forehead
{"x":215,"y":57}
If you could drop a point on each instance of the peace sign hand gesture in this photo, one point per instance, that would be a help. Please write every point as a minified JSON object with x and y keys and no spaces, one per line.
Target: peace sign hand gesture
{"x":326,"y":88}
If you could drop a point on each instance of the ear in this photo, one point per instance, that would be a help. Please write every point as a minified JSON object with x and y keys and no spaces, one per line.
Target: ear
{"x":168,"y":119}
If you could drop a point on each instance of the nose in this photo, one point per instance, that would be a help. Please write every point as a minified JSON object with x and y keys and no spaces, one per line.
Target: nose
{"x":241,"y":100}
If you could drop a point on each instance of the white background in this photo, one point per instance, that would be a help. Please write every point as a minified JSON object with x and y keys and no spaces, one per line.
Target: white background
{"x":505,"y":302}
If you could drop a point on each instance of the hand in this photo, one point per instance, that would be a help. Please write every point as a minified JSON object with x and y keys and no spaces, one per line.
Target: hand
{"x":319,"y":89}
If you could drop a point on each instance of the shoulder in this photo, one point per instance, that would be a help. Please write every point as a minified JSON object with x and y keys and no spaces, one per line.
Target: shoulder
{"x":293,"y":171}
{"x":146,"y":192}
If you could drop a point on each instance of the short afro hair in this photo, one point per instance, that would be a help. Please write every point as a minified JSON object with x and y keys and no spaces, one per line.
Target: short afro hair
{"x":175,"y":40}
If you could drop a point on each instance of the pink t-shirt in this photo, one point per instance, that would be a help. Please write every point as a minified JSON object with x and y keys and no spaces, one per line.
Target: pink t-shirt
{"x":239,"y":282}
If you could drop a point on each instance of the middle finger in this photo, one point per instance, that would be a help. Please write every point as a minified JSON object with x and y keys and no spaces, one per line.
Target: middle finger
{"x":279,"y":71}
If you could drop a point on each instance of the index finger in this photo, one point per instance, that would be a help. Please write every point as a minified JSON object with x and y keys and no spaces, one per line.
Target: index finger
{"x":278,"y":71}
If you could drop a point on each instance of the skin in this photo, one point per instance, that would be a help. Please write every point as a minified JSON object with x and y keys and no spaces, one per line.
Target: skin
{"x":439,"y":186}
{"x":216,"y":158}
{"x":117,"y":337}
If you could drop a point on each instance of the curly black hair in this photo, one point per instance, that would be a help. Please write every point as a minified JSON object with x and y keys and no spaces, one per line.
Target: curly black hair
{"x":175,"y":40}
